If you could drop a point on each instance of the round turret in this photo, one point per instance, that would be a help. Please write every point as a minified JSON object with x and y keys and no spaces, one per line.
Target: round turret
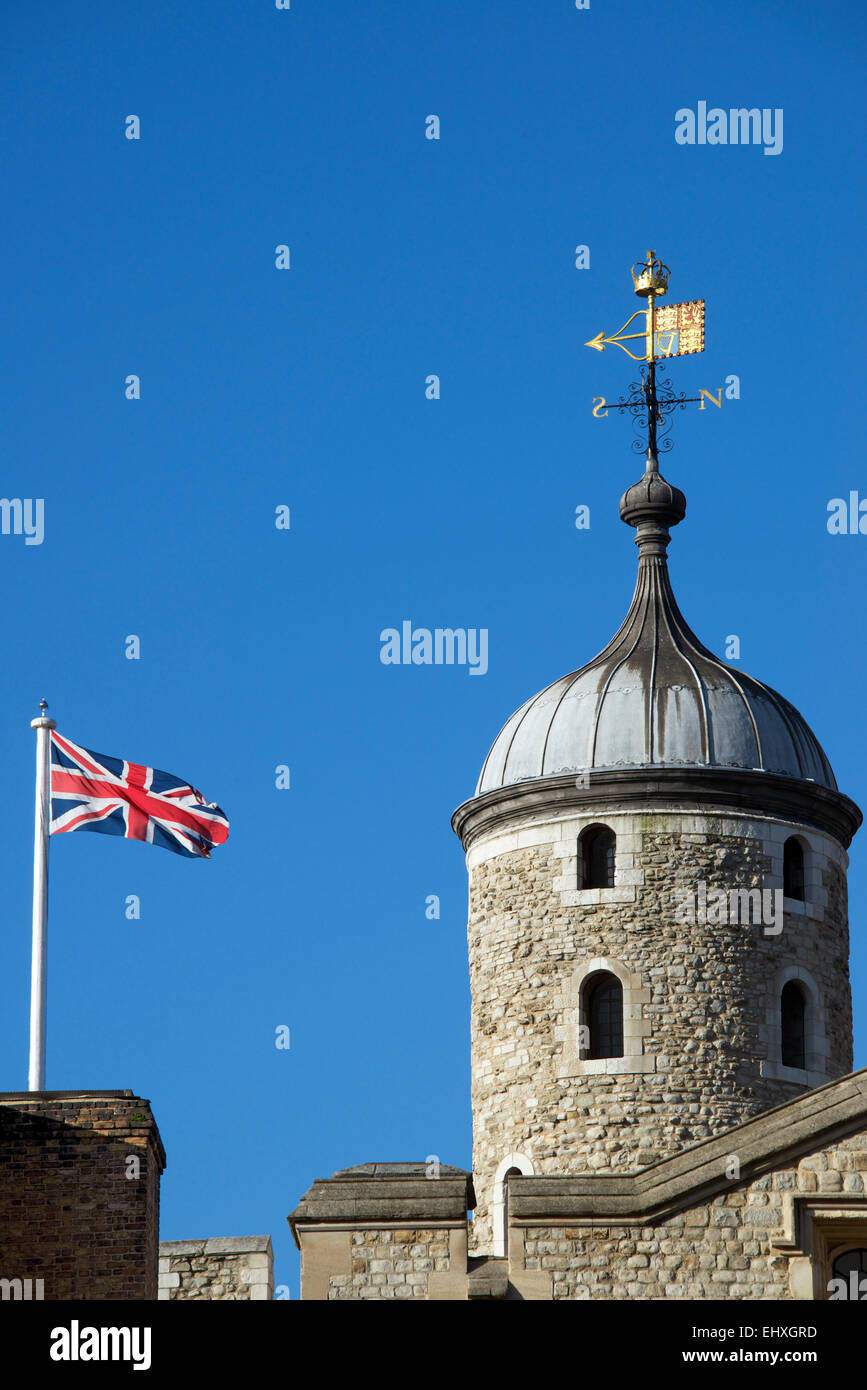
{"x":658,"y":929}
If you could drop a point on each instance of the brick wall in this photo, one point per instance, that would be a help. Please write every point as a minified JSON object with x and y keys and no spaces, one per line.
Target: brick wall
{"x":79,"y":1193}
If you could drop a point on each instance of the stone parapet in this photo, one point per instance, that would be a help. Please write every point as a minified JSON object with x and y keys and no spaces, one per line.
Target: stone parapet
{"x":707,"y":790}
{"x":385,"y":1230}
{"x":230,"y":1269}
{"x":761,"y":1212}
{"x":778,"y":1138}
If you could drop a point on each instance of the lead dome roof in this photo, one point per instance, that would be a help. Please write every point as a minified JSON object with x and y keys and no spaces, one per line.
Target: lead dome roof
{"x":655,"y":696}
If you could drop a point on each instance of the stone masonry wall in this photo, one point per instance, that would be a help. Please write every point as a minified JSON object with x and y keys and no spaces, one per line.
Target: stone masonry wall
{"x":733,"y":1247}
{"x":230,"y":1269}
{"x":392,"y":1264}
{"x":79,"y":1193}
{"x":701,"y":1001}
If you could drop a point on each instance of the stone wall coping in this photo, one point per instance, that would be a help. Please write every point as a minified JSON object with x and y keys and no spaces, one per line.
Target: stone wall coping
{"x":770,"y":1140}
{"x":403,"y":1169}
{"x":407,"y":1200}
{"x":216,"y":1245}
{"x":689,"y":789}
{"x":237,"y":1245}
{"x":39,"y":1097}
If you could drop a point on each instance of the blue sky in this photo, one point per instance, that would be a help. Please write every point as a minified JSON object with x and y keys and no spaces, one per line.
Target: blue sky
{"x":306,"y":388}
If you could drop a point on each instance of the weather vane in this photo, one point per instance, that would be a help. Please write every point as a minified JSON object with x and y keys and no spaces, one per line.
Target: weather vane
{"x":672,"y":330}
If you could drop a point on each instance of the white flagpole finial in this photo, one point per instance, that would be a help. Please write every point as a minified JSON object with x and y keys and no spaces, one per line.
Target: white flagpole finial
{"x":42,"y":720}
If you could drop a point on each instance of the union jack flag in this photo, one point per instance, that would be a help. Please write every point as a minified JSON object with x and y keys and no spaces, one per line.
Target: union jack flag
{"x":92,"y":792}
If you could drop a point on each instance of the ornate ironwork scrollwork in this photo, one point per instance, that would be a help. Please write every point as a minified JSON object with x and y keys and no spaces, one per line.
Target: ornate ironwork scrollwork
{"x":651,"y":408}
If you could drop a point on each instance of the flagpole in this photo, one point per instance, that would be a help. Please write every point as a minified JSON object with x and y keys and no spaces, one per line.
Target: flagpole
{"x":43,"y":726}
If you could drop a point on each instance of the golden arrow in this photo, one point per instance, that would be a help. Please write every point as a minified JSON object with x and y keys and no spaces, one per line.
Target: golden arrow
{"x":600,"y":341}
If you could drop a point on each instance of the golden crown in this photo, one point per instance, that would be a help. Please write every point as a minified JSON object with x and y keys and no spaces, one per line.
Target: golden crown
{"x":650,"y":276}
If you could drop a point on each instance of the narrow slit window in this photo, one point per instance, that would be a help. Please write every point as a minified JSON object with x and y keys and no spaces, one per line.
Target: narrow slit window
{"x":597,"y":857}
{"x":604,"y":1014}
{"x":793,"y":869}
{"x":793,"y":1026}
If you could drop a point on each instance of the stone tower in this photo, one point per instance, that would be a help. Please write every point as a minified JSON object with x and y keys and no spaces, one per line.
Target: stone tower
{"x":658,"y":931}
{"x":663,"y":1106}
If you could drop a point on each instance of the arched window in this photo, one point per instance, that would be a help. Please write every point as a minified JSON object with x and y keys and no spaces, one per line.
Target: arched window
{"x":793,"y":869}
{"x":793,"y":1025}
{"x":512,"y":1165}
{"x":510,"y":1173}
{"x":596,"y":858}
{"x":603,"y":1013}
